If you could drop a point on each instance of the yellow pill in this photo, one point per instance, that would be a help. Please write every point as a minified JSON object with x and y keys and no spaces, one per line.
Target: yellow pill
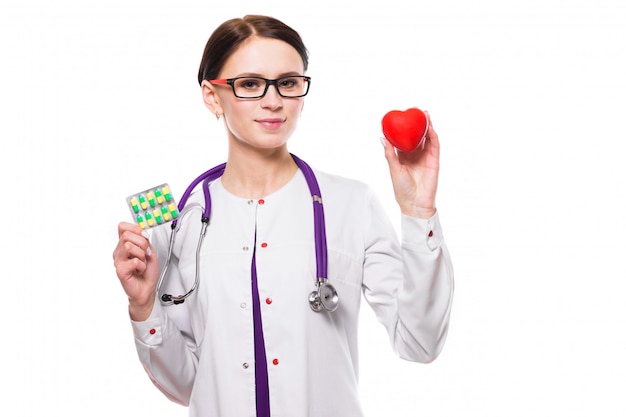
{"x":140,"y":222}
{"x":151,"y":199}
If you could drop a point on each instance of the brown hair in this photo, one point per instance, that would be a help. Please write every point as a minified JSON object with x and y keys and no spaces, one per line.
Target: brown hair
{"x":232,"y":33}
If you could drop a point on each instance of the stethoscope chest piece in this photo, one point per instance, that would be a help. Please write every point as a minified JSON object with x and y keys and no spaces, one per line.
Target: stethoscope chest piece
{"x":324,"y":298}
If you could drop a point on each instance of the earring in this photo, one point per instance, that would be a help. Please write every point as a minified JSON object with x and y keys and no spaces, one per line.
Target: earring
{"x":218,"y":115}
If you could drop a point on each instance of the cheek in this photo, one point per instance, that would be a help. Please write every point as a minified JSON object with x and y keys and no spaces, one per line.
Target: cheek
{"x":298,"y":108}
{"x":236,"y":116}
{"x":235,"y":126}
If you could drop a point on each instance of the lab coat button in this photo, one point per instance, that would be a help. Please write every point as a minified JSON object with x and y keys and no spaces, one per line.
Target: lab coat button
{"x":430,"y":234}
{"x":242,"y":305}
{"x":250,"y":202}
{"x":245,"y":248}
{"x":261,"y":201}
{"x":264,"y":245}
{"x":245,"y":365}
{"x":152,"y":331}
{"x":275,"y":361}
{"x":268,"y":301}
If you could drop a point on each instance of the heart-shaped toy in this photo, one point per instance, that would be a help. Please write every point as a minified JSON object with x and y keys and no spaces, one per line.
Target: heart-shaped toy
{"x":406,"y":130}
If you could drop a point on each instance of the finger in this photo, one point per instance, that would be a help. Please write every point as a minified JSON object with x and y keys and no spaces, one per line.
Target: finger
{"x":390,"y":155}
{"x":129,"y":232}
{"x":431,"y":134}
{"x":128,"y":227}
{"x":430,"y":122}
{"x":129,"y":268}
{"x":129,"y":241}
{"x":132,"y":250}
{"x":131,"y":245}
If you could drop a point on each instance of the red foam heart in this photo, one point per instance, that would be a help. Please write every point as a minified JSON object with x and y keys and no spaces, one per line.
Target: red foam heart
{"x":406,"y":130}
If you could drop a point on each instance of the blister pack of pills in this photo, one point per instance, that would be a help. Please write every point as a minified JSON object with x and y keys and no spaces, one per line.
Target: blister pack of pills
{"x":153,"y":207}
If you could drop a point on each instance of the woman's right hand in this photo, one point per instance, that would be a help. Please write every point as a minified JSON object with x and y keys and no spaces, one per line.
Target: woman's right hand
{"x":137,"y":268}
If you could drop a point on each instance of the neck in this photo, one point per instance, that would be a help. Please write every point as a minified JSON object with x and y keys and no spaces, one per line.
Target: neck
{"x":255,"y":174}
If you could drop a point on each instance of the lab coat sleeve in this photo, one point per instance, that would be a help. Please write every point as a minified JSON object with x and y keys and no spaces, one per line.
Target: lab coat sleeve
{"x":409,"y":286}
{"x":167,"y":356}
{"x":167,"y":352}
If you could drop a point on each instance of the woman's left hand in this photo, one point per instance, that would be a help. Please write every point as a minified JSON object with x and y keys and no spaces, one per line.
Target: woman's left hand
{"x":414,"y":175}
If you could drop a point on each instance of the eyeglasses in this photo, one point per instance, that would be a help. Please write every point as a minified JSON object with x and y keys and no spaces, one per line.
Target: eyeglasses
{"x":256,"y":87}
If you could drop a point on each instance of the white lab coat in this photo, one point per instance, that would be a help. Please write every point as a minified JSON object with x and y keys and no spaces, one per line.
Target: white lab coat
{"x":201,"y":353}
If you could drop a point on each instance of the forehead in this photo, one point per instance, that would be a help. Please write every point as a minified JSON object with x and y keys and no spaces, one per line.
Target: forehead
{"x":263,"y":56}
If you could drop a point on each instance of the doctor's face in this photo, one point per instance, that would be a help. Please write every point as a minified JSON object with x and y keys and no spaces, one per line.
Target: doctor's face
{"x":269,"y":121}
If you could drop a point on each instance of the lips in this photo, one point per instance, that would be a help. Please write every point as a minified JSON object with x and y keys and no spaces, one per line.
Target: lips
{"x":271,"y":123}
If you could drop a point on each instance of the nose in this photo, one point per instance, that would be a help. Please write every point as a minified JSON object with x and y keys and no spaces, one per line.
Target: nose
{"x":272,"y":99}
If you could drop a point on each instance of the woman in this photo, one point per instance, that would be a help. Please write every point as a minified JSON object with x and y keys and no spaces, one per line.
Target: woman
{"x":247,"y":341}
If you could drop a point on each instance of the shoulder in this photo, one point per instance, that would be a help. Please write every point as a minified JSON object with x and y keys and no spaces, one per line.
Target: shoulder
{"x":353,"y":213}
{"x":337,"y":180}
{"x":337,"y":187}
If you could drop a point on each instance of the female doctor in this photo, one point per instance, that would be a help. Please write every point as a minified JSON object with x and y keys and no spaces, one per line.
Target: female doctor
{"x":252,"y":339}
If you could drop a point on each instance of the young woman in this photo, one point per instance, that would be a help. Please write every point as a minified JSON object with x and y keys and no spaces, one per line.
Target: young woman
{"x":264,"y":333}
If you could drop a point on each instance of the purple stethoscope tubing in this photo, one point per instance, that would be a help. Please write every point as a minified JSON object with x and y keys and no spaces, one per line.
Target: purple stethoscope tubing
{"x":325,"y":297}
{"x":208,"y":176}
{"x":321,"y":250}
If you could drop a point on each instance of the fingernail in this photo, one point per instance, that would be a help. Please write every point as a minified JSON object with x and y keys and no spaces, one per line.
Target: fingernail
{"x":149,"y":252}
{"x":383,"y":142}
{"x":145,"y":234}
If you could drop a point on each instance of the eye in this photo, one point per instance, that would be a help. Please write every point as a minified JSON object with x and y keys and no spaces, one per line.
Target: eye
{"x":290,"y":82}
{"x":249,"y":83}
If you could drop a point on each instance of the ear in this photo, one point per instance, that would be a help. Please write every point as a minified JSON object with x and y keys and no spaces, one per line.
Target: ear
{"x":210,"y":98}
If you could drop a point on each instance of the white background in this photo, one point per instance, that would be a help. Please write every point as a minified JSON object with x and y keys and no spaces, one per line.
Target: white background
{"x":100,"y":100}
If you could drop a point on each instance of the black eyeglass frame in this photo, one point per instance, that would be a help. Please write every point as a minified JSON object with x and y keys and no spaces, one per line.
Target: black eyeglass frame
{"x":268,"y":82}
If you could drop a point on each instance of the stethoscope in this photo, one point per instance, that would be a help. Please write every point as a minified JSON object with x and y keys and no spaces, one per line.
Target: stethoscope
{"x":324,"y":297}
